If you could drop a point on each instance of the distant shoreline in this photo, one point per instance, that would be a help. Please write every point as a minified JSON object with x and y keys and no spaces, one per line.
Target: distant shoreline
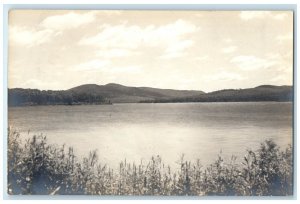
{"x":92,"y":94}
{"x":153,"y":103}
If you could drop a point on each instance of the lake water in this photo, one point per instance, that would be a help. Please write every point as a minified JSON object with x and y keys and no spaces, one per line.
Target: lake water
{"x":138,"y":131}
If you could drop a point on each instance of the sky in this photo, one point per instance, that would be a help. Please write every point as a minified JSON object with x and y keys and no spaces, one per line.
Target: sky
{"x":190,"y":50}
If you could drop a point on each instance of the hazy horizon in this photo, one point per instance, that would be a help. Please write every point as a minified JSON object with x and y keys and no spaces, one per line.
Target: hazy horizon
{"x":183,"y":50}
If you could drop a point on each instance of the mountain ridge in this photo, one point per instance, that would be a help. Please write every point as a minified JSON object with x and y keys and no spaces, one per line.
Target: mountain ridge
{"x":259,"y":93}
{"x":117,"y":93}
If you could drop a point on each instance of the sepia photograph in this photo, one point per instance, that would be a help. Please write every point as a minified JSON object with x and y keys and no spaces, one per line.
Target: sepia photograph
{"x":196,"y":103}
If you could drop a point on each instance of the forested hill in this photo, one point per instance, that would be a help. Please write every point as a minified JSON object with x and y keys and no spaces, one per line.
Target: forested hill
{"x":115,"y":93}
{"x":260,"y":93}
{"x":94,"y":94}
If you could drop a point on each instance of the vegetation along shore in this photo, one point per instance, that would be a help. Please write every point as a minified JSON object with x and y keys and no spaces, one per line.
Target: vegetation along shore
{"x":36,"y":167}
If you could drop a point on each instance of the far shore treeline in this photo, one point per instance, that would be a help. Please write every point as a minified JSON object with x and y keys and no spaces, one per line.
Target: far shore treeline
{"x":115,"y":93}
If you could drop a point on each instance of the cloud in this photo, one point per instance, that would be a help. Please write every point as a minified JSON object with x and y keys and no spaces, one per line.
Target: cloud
{"x":131,"y":69}
{"x":250,"y":63}
{"x":202,"y":58}
{"x":179,"y":46}
{"x":119,"y":36}
{"x":224,"y":76}
{"x":29,"y":37}
{"x":229,"y":49}
{"x":249,"y":15}
{"x":106,"y":66}
{"x":68,"y":21}
{"x":133,"y":36}
{"x":48,"y":28}
{"x":113,"y":53}
{"x":93,"y":65}
{"x":172,"y":55}
{"x":111,"y":12}
{"x":177,"y":49}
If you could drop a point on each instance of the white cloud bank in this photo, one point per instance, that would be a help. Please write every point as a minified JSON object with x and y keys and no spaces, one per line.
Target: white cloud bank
{"x":170,"y":37}
{"x":48,"y":28}
{"x":29,"y":37}
{"x":136,"y":49}
{"x":251,"y":63}
{"x":68,"y":20}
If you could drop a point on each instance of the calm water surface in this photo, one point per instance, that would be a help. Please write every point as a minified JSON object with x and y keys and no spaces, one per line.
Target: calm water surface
{"x":138,"y":131}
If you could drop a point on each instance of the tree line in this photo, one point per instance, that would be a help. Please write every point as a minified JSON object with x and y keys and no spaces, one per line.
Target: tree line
{"x":23,"y":97}
{"x":239,"y":95}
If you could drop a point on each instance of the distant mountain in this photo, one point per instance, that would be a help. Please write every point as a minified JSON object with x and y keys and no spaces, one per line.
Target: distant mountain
{"x":94,"y":94}
{"x":116,"y":93}
{"x":260,"y":93}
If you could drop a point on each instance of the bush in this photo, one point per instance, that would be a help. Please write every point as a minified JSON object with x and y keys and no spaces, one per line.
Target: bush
{"x":35,"y":167}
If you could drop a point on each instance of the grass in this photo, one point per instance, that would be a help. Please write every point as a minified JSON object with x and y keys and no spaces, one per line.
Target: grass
{"x":35,"y":167}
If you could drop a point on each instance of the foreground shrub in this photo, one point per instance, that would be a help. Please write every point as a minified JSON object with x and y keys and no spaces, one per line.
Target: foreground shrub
{"x":35,"y":167}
